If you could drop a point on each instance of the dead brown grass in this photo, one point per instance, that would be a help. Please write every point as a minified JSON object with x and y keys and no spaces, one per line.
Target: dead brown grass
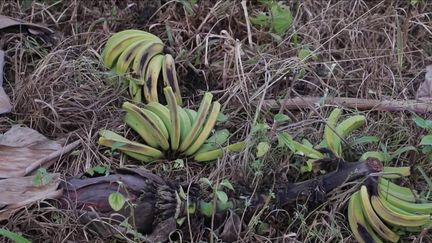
{"x":62,"y":89}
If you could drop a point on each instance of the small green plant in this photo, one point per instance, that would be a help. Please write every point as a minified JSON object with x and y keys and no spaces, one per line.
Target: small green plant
{"x":42,"y":177}
{"x":219,"y":197}
{"x":13,"y":236}
{"x":278,"y":19}
{"x":97,"y":170}
{"x":426,"y":141}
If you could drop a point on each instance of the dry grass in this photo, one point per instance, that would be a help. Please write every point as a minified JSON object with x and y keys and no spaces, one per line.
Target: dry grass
{"x":62,"y":89}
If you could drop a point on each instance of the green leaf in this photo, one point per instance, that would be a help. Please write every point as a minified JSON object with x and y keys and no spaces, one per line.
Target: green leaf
{"x":222,"y":196}
{"x":304,"y":53}
{"x":219,"y":137}
{"x":206,"y":181}
{"x":206,"y":208}
{"x":261,"y":20}
{"x":42,"y":177}
{"x":221,"y":117}
{"x":101,"y":170}
{"x":285,"y":140}
{"x":375,"y":154}
{"x":260,"y":127}
{"x":262,"y":149}
{"x":426,"y":124}
{"x":227,"y":184}
{"x":282,"y":18}
{"x":116,"y":200}
{"x":426,"y":140}
{"x":279,"y":118}
{"x":306,"y":143}
{"x":178,"y":163}
{"x":427,"y":149}
{"x":365,"y":139}
{"x":13,"y":236}
{"x":402,"y":150}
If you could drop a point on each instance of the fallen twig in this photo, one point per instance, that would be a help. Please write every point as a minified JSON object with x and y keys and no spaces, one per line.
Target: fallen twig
{"x":360,"y":104}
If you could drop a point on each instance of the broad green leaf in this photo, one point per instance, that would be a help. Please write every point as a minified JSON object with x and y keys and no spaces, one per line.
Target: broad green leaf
{"x":260,"y":127}
{"x":222,"y":196}
{"x":13,"y":236}
{"x":426,"y":124}
{"x":227,"y":184}
{"x":206,"y":181}
{"x":427,"y":149}
{"x":307,"y":151}
{"x":219,"y":137}
{"x":260,"y":20}
{"x":426,"y":140}
{"x":262,"y":149}
{"x":281,"y":118}
{"x":282,"y":18}
{"x":306,"y":142}
{"x":116,"y":200}
{"x":402,"y":150}
{"x":42,"y":177}
{"x":304,"y":54}
{"x":285,"y":140}
{"x":206,"y":208}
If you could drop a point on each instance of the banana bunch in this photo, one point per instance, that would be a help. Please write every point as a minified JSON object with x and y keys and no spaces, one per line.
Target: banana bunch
{"x":384,"y":210}
{"x":172,"y":130}
{"x":140,"y":57}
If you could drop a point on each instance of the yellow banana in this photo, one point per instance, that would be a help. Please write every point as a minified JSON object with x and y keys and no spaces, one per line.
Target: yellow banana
{"x":151,"y":78}
{"x":135,"y":122}
{"x":185,"y":123}
{"x":143,"y":56}
{"x":395,"y":218}
{"x":174,"y":117}
{"x":170,"y":76}
{"x":115,"y":141}
{"x":350,"y":124}
{"x":139,"y":157}
{"x":373,"y":219}
{"x":149,"y":124}
{"x":331,"y":138}
{"x":162,"y":112}
{"x":198,"y":123}
{"x":214,"y":154}
{"x":118,"y":42}
{"x":208,"y":126}
{"x":361,"y":230}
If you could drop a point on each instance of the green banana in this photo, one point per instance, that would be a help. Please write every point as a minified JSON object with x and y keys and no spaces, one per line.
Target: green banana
{"x":115,"y":141}
{"x":403,"y":193}
{"x":374,"y":154}
{"x":192,"y":115}
{"x":331,"y":138}
{"x":185,"y":123}
{"x":162,"y":112}
{"x":147,"y":123}
{"x":396,"y":172}
{"x":198,"y":123}
{"x":395,"y":218}
{"x":134,"y":121}
{"x":208,"y":126}
{"x":170,"y":76}
{"x":415,"y":208}
{"x":118,"y":42}
{"x":142,"y":58}
{"x":350,"y":124}
{"x":174,"y":117}
{"x":214,"y":154}
{"x":373,"y":219}
{"x":151,"y":78}
{"x":135,"y":91}
{"x":139,"y":157}
{"x":361,"y":230}
{"x":128,"y":55}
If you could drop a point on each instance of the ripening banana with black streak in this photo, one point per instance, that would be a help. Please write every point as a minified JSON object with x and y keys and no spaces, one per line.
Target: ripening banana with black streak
{"x":171,"y":129}
{"x":141,"y":59}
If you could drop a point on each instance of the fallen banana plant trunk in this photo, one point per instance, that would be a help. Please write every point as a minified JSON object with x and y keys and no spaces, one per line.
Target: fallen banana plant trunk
{"x":156,"y":207}
{"x":360,"y":104}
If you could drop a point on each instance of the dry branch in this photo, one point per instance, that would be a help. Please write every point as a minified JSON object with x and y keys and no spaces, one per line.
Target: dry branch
{"x":360,"y":104}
